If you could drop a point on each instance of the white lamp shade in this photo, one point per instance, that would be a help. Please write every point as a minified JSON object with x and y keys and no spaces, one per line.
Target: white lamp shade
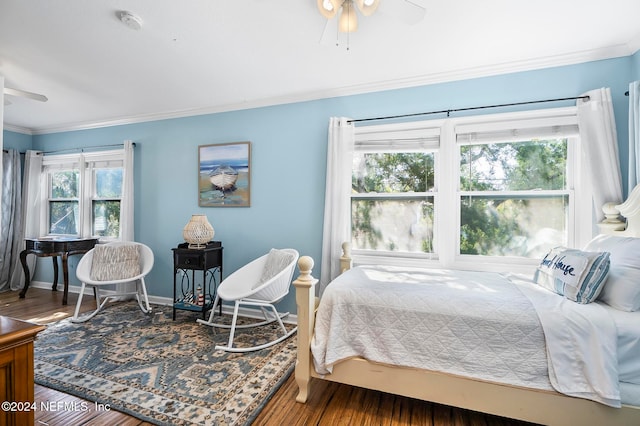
{"x":367,"y":7}
{"x":198,"y":232}
{"x":348,"y":20}
{"x":329,"y":8}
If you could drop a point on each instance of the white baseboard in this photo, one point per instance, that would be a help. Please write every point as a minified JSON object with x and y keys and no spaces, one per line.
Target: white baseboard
{"x":167,"y":301}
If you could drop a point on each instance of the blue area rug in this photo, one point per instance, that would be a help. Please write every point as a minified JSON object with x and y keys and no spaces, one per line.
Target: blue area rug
{"x":162,"y":371}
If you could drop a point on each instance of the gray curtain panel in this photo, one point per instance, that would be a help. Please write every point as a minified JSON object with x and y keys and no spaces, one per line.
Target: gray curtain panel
{"x":11,"y":222}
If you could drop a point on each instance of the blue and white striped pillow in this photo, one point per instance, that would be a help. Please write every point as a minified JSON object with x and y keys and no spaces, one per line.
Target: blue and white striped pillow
{"x":577,"y":275}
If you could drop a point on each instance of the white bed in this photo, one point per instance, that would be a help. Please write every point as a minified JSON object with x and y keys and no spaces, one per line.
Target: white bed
{"x":473,"y":368}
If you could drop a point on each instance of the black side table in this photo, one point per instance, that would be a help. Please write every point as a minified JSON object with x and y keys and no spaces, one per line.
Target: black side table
{"x":185,"y":293}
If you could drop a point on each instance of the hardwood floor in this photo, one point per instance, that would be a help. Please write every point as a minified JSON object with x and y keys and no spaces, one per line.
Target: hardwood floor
{"x":328,"y":404}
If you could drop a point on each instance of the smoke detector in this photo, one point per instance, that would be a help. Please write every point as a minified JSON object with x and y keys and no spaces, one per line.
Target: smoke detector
{"x":130,"y":20}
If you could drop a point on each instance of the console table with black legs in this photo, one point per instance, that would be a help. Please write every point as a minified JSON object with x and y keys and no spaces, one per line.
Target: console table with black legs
{"x":187,"y":286}
{"x":54,"y":247}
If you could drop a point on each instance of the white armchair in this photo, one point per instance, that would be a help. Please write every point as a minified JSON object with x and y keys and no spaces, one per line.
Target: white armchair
{"x":261,"y":283}
{"x":111,"y":264}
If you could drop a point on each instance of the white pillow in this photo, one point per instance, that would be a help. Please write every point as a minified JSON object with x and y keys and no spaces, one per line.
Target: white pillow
{"x":277,"y":260}
{"x":577,"y":275}
{"x":115,"y":262}
{"x":622,"y":290}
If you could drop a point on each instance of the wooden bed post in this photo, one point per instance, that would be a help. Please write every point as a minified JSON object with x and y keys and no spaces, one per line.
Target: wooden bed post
{"x":345,"y":259}
{"x":306,"y":303}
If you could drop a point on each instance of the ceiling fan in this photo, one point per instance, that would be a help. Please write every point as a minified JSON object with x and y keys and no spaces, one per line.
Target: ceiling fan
{"x":23,"y":94}
{"x":408,"y":11}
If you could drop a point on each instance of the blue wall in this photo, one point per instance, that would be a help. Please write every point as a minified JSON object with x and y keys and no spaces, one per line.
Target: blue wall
{"x":289,"y":158}
{"x":17,"y":141}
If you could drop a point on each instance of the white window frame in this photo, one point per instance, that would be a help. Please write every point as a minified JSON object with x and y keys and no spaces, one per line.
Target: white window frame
{"x":422,"y":136}
{"x":86,"y":164}
{"x":447,"y":192}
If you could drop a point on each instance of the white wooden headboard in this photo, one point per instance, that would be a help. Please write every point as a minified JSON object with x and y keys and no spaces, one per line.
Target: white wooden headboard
{"x":630,"y":209}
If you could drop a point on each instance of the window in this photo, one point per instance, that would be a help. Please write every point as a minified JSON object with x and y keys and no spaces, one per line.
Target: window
{"x":514,"y":198}
{"x":393,"y":190}
{"x":466,"y":191}
{"x":106,"y":195}
{"x":63,"y":201}
{"x":392,"y":204}
{"x":84,"y":194}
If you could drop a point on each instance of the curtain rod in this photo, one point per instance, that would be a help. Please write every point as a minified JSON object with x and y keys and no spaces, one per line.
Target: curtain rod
{"x":83,"y":148}
{"x":449,"y":111}
{"x":74,"y":149}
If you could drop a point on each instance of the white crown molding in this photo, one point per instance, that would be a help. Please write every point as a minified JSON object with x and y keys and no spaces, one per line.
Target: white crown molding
{"x":17,"y":129}
{"x":634,"y":44}
{"x":422,"y":80}
{"x":507,"y":68}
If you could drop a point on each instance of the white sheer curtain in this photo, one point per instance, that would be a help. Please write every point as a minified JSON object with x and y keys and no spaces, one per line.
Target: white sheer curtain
{"x":337,"y":203}
{"x":31,"y":193}
{"x":600,"y":146}
{"x":11,"y":223}
{"x":126,"y":207}
{"x":31,"y":207}
{"x":634,"y":135}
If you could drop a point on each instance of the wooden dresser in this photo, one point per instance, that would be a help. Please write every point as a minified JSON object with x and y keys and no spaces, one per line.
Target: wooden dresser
{"x":16,"y":371}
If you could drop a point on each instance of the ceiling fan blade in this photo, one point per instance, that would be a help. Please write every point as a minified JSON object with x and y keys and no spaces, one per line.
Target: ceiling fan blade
{"x":25,"y":94}
{"x":407,"y":11}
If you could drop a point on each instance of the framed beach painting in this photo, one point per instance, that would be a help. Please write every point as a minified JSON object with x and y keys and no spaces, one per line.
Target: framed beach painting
{"x":224,"y":176}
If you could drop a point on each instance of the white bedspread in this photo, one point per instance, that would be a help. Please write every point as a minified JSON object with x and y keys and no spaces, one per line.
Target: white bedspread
{"x":477,"y":325}
{"x":459,"y":322}
{"x":581,"y":345}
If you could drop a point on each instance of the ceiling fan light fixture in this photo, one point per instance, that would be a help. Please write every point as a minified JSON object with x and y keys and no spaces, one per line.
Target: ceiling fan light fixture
{"x":367,"y":7}
{"x":130,"y":20}
{"x":329,"y":8}
{"x":348,"y":22}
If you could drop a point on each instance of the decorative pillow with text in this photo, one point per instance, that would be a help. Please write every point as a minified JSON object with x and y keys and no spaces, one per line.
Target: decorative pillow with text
{"x":577,"y":275}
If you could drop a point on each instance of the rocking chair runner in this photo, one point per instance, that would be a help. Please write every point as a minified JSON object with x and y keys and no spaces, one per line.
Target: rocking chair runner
{"x":261,"y":283}
{"x":90,"y":275}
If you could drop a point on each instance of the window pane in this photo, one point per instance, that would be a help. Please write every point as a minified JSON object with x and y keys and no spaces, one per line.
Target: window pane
{"x":64,"y":184}
{"x":495,"y":226}
{"x":392,"y":172}
{"x":63,"y":217}
{"x":514,"y":166}
{"x":393,"y":225}
{"x":108,"y":183}
{"x":106,"y":218}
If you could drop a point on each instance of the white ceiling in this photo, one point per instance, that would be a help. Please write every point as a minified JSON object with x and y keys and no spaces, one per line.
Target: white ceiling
{"x":200,"y":56}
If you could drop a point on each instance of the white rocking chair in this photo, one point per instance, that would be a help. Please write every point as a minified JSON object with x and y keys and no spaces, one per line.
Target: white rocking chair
{"x":261,"y":283}
{"x":84,"y":274}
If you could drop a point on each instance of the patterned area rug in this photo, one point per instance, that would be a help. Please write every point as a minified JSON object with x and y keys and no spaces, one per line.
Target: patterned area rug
{"x":162,"y":371}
